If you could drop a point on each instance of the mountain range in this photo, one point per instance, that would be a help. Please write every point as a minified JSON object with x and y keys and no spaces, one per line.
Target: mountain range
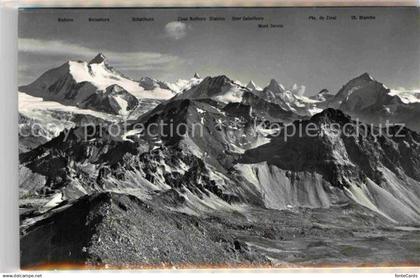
{"x":233,"y":186}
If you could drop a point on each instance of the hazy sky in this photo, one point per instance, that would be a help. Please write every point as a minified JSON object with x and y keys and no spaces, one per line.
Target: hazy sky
{"x":318,"y":54}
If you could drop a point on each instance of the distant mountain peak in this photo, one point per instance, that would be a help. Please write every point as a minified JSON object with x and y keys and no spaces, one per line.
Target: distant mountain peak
{"x":196,"y":75}
{"x":215,"y":87}
{"x":273,"y":82}
{"x":100,"y":58}
{"x":365,"y":77}
{"x":323,"y":91}
{"x":331,"y":115}
{"x":114,"y":89}
{"x":150,"y":84}
{"x":323,"y":95}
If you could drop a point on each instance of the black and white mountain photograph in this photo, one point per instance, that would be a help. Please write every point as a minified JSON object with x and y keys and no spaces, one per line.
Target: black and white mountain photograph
{"x":161,"y":138}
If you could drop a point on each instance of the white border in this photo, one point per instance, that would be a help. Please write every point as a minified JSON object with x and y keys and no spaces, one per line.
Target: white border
{"x":9,"y":216}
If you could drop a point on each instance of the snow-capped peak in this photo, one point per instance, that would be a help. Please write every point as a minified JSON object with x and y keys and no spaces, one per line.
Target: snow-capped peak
{"x":406,"y":96}
{"x":100,"y":58}
{"x":274,"y":86}
{"x":100,"y":75}
{"x":366,"y":76}
{"x":197,"y":76}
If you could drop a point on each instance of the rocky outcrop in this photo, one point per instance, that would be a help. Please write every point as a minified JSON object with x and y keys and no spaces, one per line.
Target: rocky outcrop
{"x":115,"y":100}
